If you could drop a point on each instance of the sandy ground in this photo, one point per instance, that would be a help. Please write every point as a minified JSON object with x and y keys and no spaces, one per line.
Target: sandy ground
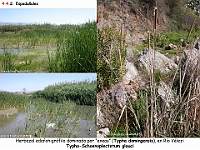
{"x":10,"y":111}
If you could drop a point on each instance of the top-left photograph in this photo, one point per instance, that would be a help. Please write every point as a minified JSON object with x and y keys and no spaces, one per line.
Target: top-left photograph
{"x":48,"y":40}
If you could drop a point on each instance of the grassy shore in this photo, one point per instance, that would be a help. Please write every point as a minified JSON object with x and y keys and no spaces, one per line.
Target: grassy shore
{"x":48,"y":48}
{"x":54,"y":113}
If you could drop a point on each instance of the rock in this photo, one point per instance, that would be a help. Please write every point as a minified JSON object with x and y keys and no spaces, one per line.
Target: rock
{"x":129,"y":54}
{"x":197,"y":45}
{"x":192,"y":58}
{"x":166,"y":94}
{"x":106,"y":110}
{"x":131,"y":74}
{"x":176,"y":60}
{"x":111,"y":102}
{"x":100,"y":135}
{"x":183,"y":43}
{"x":175,"y":46}
{"x":120,"y":93}
{"x":103,"y":132}
{"x":160,"y":61}
{"x":191,"y":68}
{"x":169,"y":47}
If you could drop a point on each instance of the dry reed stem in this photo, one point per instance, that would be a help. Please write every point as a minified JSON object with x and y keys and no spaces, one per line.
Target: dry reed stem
{"x":147,"y":118}
{"x":121,"y":36}
{"x":153,"y":116}
{"x":126,"y":123}
{"x":155,"y":18}
{"x":149,"y":40}
{"x":119,"y":119}
{"x":135,"y":116}
{"x":189,"y":33}
{"x":184,"y":101}
{"x":121,"y":45}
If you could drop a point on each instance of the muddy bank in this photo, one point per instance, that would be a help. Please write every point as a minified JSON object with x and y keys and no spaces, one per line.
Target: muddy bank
{"x":10,"y":111}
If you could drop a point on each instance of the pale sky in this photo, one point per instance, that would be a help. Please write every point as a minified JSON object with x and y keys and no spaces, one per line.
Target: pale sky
{"x":48,"y":15}
{"x":15,"y":82}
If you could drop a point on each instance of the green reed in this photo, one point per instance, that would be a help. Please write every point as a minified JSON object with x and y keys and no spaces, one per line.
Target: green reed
{"x":9,"y":100}
{"x":76,"y":50}
{"x":41,"y":113}
{"x":74,"y":47}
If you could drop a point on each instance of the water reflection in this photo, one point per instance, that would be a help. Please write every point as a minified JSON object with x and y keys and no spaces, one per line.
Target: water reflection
{"x":13,"y":125}
{"x":16,"y":124}
{"x":14,"y":51}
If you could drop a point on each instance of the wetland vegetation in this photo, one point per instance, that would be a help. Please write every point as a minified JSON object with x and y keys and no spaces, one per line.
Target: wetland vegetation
{"x":48,"y":48}
{"x":50,"y":112}
{"x":153,"y":24}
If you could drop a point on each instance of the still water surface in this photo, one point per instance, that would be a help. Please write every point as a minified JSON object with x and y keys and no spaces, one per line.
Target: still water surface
{"x":14,"y":51}
{"x":16,"y":123}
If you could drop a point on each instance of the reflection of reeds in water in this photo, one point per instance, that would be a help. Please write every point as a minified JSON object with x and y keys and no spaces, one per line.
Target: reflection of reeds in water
{"x":39,"y":114}
{"x":51,"y":119}
{"x":89,"y":122}
{"x":5,"y":120}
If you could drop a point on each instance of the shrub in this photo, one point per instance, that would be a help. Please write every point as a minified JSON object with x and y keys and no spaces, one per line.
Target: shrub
{"x":161,"y":40}
{"x":109,"y":69}
{"x":82,"y":93}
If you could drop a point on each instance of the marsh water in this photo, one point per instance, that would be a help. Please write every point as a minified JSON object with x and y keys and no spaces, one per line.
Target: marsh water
{"x":17,"y":121}
{"x":14,"y":51}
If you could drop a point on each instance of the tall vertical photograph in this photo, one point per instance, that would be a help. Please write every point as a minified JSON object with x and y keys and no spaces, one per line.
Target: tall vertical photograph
{"x":148,"y":68}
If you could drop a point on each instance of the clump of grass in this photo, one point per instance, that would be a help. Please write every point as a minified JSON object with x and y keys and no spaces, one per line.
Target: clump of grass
{"x":164,"y":38}
{"x":140,"y":47}
{"x":8,"y":61}
{"x":76,"y":50}
{"x":160,"y":39}
{"x":120,"y":132}
{"x":111,"y":54}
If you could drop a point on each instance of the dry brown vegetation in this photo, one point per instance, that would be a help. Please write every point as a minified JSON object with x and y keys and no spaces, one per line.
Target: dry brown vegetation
{"x":149,"y":115}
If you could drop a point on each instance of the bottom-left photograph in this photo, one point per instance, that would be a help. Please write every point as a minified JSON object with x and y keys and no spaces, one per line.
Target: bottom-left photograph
{"x":48,"y":105}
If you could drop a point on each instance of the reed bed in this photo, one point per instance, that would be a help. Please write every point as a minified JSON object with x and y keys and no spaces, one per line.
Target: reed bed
{"x":82,"y":93}
{"x":76,"y":50}
{"x":68,"y":48}
{"x":10,"y":100}
{"x":47,"y":115}
{"x":44,"y":118}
